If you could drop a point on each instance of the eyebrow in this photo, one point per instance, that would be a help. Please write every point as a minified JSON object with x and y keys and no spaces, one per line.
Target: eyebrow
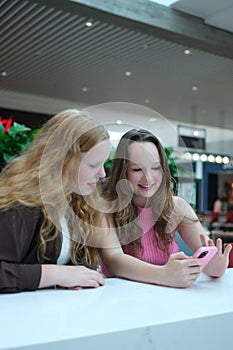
{"x":102,"y":161}
{"x":139,"y":165}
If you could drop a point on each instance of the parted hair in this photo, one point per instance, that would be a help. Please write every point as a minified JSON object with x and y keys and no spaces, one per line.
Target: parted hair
{"x":42,"y":177}
{"x":119,"y":193}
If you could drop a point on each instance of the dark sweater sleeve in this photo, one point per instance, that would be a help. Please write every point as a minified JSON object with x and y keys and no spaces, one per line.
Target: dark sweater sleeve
{"x":19,"y":266}
{"x":16,"y":277}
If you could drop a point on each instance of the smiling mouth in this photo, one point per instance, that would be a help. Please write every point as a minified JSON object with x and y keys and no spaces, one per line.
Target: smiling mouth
{"x":92,"y":183}
{"x":146,"y":186}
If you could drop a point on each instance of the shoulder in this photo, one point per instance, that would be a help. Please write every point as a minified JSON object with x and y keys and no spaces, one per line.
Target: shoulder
{"x":180,"y":203}
{"x":183,"y":208}
{"x":21,"y":210}
{"x":19,"y":226}
{"x":22,"y":213}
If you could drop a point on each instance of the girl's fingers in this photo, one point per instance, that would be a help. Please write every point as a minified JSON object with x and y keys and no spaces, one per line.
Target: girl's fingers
{"x":210,"y":242}
{"x":193,"y":262}
{"x":203,"y":240}
{"x":219,"y":245}
{"x":178,"y":256}
{"x":227,"y":249}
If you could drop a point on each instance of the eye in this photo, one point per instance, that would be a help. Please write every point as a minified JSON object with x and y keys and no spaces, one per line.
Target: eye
{"x":136,"y":169}
{"x":93,"y":165}
{"x":156,"y":168}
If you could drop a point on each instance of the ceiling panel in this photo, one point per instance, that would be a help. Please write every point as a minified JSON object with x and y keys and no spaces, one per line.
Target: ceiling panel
{"x":49,"y":51}
{"x":218,"y":13}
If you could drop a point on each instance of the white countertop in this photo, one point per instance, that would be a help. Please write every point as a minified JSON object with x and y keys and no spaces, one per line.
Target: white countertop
{"x":121,"y":314}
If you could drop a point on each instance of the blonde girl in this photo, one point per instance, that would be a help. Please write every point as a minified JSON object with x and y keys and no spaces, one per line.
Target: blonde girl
{"x":47,"y":220}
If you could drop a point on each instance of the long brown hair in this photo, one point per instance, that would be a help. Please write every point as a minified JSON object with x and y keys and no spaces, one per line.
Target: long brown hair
{"x":42,"y":176}
{"x":118,"y":192}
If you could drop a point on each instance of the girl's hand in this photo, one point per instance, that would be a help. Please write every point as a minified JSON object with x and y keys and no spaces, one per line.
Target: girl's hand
{"x":70,"y":276}
{"x":217,"y":266}
{"x":80,"y":276}
{"x":180,"y":271}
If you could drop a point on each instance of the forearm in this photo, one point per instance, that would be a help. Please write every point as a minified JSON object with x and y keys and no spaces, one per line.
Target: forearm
{"x":18,"y":277}
{"x":179,"y":272}
{"x":50,"y":275}
{"x":69,"y":276}
{"x":128,"y":267}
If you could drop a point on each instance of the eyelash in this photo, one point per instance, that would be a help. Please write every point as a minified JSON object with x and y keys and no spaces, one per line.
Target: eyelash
{"x":136,"y":170}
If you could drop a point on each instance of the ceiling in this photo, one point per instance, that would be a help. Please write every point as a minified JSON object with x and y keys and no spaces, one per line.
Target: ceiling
{"x":217,"y":13}
{"x":47,"y":49}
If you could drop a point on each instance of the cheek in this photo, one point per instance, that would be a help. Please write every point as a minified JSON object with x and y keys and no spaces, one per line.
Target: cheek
{"x":159,"y":177}
{"x":82,"y":175}
{"x":133,"y":176}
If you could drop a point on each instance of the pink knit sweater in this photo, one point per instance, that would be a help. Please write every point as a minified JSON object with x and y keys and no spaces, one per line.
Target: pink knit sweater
{"x":150,"y":251}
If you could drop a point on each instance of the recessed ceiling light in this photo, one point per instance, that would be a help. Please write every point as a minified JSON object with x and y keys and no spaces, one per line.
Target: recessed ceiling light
{"x":187,"y":52}
{"x":195,"y":156}
{"x":84,"y":89}
{"x":204,"y":157}
{"x":127,"y":74}
{"x":146,"y":46}
{"x":211,"y":158}
{"x":218,"y":159}
{"x":164,"y":2}
{"x":194,"y":88}
{"x":3,"y":74}
{"x":225,"y":160}
{"x":152,"y":120}
{"x":147,"y":100}
{"x":119,"y":121}
{"x":89,"y":24}
{"x":187,"y":156}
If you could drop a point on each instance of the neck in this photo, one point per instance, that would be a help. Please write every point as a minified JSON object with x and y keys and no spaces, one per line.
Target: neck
{"x":142,"y":202}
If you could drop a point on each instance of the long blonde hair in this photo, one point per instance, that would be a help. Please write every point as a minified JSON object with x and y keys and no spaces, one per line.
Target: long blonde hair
{"x":42,"y":177}
{"x":118,"y":192}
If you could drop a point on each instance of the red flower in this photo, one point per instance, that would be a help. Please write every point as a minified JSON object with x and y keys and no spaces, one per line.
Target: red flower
{"x":6,"y":122}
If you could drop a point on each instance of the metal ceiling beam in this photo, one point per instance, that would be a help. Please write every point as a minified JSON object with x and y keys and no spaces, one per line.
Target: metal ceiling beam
{"x":154,"y":19}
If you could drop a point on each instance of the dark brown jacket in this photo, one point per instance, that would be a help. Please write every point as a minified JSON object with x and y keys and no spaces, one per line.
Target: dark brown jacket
{"x":20,"y":268}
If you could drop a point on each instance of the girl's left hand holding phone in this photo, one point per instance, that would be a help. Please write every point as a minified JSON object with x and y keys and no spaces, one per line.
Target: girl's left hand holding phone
{"x":217,"y":266}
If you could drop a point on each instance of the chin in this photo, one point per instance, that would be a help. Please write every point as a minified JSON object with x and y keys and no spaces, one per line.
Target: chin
{"x":147,"y":194}
{"x":83,"y":192}
{"x":86,"y":193}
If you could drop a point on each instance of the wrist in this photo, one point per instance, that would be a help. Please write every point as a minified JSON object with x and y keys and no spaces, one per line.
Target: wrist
{"x":50,"y":275}
{"x":160,"y":271}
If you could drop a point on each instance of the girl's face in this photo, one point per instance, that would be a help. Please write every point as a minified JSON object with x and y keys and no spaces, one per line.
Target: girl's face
{"x":144,"y":171}
{"x":91,"y":168}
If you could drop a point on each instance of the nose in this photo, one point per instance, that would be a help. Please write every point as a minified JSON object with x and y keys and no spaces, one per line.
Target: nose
{"x":147,"y":176}
{"x":101,"y":172}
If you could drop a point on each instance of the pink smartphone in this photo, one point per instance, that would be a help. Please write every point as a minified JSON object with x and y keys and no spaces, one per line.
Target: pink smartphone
{"x":205,"y":254}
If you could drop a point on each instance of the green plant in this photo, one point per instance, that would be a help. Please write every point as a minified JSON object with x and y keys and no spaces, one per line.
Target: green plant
{"x":108,"y":163}
{"x":171,"y":161}
{"x":171,"y":158}
{"x":14,"y":141}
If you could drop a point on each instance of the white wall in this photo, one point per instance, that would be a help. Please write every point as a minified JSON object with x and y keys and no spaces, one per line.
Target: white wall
{"x":131,"y":115}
